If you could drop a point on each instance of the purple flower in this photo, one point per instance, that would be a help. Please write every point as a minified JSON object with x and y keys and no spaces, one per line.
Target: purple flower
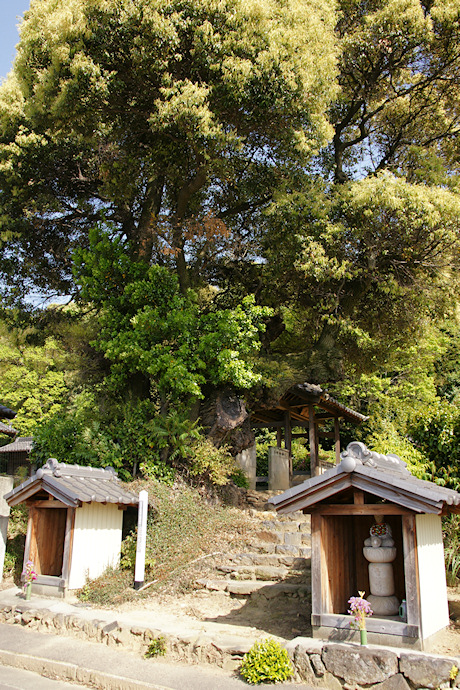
{"x":359,"y":609}
{"x":29,"y":573}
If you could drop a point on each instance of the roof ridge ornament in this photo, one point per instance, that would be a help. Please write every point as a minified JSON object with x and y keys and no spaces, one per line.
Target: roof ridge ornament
{"x":357,"y":453}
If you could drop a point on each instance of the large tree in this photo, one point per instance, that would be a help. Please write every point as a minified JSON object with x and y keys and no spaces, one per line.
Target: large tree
{"x":304,"y":153}
{"x":171,"y":119}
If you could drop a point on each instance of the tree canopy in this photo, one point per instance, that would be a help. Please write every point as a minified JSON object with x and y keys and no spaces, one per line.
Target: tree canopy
{"x":172,"y":120}
{"x":245,"y":194}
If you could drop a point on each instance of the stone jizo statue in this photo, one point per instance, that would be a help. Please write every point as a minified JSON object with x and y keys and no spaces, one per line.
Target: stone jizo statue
{"x":380,"y":551}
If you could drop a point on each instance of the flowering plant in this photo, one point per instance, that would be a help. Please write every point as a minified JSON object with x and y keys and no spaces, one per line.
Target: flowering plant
{"x":29,"y":573}
{"x":359,"y":608}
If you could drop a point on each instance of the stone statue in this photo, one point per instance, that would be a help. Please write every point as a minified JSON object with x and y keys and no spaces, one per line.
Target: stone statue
{"x":380,"y":551}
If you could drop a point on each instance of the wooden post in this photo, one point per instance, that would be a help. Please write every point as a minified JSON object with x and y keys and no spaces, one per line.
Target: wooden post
{"x":314,"y":469}
{"x":288,"y":439}
{"x":410,"y":570}
{"x":287,"y":431}
{"x":68,"y":541}
{"x":278,"y":437}
{"x":337,"y":440}
{"x":316,"y":571}
{"x":139,"y":571}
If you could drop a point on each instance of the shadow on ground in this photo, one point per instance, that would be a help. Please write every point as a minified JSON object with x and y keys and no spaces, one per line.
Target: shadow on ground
{"x":278,"y":614}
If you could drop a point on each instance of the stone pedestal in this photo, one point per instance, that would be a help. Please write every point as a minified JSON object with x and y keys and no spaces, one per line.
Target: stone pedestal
{"x":247,"y":460}
{"x":6,"y":484}
{"x":278,"y":469}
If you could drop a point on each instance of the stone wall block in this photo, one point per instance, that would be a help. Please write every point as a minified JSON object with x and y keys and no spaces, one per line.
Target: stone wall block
{"x":287,"y":549}
{"x":301,"y":662}
{"x":426,"y":671}
{"x":290,"y":526}
{"x":359,"y":665}
{"x":27,"y":617}
{"x":317,"y":665}
{"x":292,"y":538}
{"x":397,"y":682}
{"x":267,"y":536}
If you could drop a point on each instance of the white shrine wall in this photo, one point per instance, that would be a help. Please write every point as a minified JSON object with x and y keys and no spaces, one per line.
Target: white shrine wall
{"x":96,"y":542}
{"x":434,"y":610}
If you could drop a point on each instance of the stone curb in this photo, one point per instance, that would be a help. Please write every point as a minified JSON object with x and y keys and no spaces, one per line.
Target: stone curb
{"x":225,"y":651}
{"x":319,"y":663}
{"x":61,"y":670}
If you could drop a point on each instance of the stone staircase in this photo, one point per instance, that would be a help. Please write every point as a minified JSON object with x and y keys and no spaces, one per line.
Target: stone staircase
{"x":278,"y":561}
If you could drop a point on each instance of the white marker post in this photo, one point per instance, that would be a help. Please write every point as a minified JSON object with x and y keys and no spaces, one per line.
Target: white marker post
{"x":139,"y":571}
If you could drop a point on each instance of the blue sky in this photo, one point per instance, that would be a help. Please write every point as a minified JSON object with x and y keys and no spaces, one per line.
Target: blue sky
{"x":10,"y":12}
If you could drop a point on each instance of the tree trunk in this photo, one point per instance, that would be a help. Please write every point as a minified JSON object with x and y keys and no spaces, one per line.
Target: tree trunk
{"x":226,"y":420}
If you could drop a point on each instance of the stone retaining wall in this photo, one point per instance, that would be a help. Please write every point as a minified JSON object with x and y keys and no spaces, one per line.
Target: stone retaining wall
{"x":318,"y":663}
{"x":349,"y":666}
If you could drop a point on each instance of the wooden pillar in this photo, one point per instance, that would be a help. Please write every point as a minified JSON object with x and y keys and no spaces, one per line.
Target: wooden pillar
{"x":68,"y":543}
{"x":288,"y":439}
{"x":337,"y":440}
{"x":410,"y":570}
{"x":287,"y":431}
{"x":314,"y":469}
{"x":316,"y":570}
{"x":278,"y":437}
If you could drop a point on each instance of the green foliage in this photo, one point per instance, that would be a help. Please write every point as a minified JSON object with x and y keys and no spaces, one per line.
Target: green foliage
{"x":155,"y":115}
{"x":14,"y":553}
{"x":437,"y":434}
{"x":33,"y":378}
{"x":148,"y":326}
{"x":112,"y":587}
{"x":266,"y":662}
{"x":451,"y":536}
{"x":180,"y":526}
{"x":157,"y":647}
{"x":239,"y":478}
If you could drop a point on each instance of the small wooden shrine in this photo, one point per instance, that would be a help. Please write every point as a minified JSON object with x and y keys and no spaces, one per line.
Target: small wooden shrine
{"x":16,"y":454}
{"x":75,"y":523}
{"x":7,"y":429}
{"x":310,"y":406}
{"x":375,"y":529}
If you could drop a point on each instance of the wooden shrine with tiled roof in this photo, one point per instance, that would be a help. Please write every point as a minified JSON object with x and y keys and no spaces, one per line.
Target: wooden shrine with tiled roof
{"x":75,"y":523}
{"x":304,"y":405}
{"x":376,"y":528}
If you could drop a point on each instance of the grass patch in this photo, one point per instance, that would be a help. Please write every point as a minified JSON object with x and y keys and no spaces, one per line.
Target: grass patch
{"x":184,"y":531}
{"x":14,"y":554}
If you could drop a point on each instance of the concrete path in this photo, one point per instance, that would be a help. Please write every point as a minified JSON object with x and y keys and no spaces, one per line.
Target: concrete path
{"x":16,"y":679}
{"x":95,"y":665}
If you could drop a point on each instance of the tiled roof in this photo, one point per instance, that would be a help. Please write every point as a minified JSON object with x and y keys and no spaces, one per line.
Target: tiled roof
{"x":384,"y":476}
{"x":7,"y":429}
{"x":6,"y":413}
{"x":20,"y":445}
{"x":74,"y":485}
{"x":297,"y":399}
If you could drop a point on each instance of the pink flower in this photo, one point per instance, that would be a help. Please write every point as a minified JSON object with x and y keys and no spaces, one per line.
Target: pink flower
{"x":29,"y":573}
{"x":359,"y":608}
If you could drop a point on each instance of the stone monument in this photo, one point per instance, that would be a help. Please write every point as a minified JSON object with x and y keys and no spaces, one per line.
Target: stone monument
{"x":379,"y":549}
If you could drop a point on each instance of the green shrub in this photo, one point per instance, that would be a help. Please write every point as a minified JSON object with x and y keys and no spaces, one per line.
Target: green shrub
{"x":266,"y":661}
{"x":112,"y":587}
{"x":451,"y":535}
{"x":17,"y":528}
{"x":239,"y":478}
{"x":157,"y":647}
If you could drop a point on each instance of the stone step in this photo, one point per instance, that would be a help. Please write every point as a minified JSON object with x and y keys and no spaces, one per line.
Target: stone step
{"x":258,"y":572}
{"x":282,"y":559}
{"x":268,"y":588}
